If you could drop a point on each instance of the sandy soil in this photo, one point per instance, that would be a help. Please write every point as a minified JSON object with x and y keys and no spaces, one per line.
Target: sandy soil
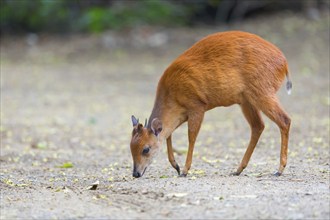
{"x":66,"y":104}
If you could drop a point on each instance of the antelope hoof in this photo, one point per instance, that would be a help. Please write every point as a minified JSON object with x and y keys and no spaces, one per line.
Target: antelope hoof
{"x":235,"y":173}
{"x":277,"y":173}
{"x":177,"y":169}
{"x":183,"y":175}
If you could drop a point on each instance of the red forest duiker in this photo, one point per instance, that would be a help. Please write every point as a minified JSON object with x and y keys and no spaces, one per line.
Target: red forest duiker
{"x":222,"y":69}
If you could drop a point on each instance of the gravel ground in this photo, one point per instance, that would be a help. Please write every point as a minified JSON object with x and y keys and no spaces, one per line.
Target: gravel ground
{"x":66,"y":103}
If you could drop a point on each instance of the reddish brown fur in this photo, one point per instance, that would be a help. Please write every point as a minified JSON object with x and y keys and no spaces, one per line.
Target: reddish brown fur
{"x":220,"y":70}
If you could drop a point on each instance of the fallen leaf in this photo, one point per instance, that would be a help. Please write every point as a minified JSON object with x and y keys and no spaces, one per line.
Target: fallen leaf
{"x":177,"y":195}
{"x":66,"y":165}
{"x":317,"y":140}
{"x":94,"y":185}
{"x":39,"y":145}
{"x":198,"y":172}
{"x":99,"y":196}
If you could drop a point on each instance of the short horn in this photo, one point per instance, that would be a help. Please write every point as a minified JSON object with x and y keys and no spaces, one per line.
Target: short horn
{"x":134,"y":121}
{"x":145,"y":123}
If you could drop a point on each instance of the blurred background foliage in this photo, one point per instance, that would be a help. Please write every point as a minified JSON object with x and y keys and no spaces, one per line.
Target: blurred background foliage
{"x":94,"y":16}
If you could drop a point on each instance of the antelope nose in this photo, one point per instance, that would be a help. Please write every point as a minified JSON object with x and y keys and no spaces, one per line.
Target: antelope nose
{"x":136,"y":174}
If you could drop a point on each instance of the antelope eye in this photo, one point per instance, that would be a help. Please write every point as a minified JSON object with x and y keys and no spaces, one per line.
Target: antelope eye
{"x":146,"y":150}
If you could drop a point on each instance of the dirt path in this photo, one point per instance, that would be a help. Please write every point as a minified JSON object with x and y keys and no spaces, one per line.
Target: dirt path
{"x":65,"y":123}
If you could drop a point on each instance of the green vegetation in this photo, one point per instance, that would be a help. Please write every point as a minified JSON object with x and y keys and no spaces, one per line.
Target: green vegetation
{"x":64,"y":15}
{"x":98,"y":15}
{"x":20,"y":15}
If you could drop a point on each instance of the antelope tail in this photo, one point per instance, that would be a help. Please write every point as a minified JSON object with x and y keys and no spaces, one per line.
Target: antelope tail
{"x":288,"y":84}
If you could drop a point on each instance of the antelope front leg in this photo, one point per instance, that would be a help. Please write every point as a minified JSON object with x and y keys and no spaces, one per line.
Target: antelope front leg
{"x":194,"y":124}
{"x":171,"y":155}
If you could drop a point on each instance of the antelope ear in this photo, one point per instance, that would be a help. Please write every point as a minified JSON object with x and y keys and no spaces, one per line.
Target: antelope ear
{"x":156,"y":126}
{"x":135,"y":121}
